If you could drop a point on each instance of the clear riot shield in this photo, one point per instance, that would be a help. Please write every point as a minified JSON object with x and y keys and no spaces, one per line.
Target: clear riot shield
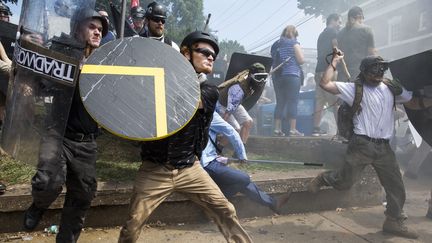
{"x":45,"y":71}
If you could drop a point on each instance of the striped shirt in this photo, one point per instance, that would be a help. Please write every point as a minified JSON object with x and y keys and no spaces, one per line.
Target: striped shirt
{"x":286,"y":49}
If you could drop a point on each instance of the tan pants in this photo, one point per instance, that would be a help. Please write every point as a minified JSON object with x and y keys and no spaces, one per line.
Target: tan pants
{"x":154,"y":183}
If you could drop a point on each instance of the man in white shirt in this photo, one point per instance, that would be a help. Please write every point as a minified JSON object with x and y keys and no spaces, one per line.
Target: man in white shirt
{"x":373,"y":127}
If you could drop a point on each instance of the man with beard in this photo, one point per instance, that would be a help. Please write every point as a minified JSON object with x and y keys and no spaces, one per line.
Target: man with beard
{"x":76,"y":164}
{"x":154,"y":24}
{"x":172,"y":164}
{"x":369,"y":145}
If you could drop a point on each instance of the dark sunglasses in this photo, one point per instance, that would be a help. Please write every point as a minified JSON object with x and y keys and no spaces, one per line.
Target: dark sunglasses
{"x":206,"y":52}
{"x":157,"y":20}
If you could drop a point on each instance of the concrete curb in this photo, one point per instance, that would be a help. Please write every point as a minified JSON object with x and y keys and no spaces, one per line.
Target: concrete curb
{"x":110,"y":206}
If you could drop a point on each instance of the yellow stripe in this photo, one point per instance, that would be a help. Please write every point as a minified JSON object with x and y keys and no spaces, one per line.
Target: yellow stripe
{"x":159,"y":92}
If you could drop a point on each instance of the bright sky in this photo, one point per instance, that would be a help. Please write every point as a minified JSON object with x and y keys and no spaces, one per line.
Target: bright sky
{"x":256,"y":24}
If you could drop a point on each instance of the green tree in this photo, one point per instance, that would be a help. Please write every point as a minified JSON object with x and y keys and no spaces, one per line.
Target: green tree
{"x":324,"y":8}
{"x":9,"y":1}
{"x":184,"y":16}
{"x":228,"y":47}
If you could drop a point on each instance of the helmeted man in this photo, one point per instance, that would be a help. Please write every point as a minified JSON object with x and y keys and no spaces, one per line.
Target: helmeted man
{"x":369,"y":145}
{"x":154,"y":25}
{"x":232,"y":94}
{"x":76,"y":167}
{"x":172,"y":164}
{"x":137,"y":14}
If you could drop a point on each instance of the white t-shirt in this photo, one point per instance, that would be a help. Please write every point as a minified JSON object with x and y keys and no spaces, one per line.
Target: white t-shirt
{"x":376,"y":119}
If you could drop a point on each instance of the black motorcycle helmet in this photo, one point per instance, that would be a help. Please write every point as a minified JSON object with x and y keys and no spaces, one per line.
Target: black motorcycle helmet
{"x":197,"y":36}
{"x":5,"y":9}
{"x":82,"y":14}
{"x":156,"y":10}
{"x":137,"y":12}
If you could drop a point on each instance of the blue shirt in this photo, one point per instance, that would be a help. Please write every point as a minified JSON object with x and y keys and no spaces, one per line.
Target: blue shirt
{"x":219,"y":125}
{"x":286,"y":49}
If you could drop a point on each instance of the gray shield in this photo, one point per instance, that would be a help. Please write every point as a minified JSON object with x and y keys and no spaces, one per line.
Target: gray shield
{"x":45,"y":65}
{"x":140,"y":89}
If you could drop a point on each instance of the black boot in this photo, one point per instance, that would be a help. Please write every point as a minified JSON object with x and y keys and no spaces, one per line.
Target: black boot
{"x":32,"y":217}
{"x":2,"y":188}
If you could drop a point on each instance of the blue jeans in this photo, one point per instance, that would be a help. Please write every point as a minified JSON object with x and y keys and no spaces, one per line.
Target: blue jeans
{"x":287,"y":90}
{"x":231,"y":181}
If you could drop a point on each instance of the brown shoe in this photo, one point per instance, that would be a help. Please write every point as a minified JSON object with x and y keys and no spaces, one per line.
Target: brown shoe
{"x":397,"y":227}
{"x":316,"y":184}
{"x":280,"y":201}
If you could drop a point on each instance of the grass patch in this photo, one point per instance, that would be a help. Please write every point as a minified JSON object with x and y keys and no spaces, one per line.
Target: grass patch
{"x":14,"y":171}
{"x":119,"y":160}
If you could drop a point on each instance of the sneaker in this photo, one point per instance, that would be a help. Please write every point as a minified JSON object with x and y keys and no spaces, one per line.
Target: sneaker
{"x":278,"y":133}
{"x":295,"y":133}
{"x":32,"y":217}
{"x":318,"y":132}
{"x":397,"y":227}
{"x":316,"y":183}
{"x":279,"y":202}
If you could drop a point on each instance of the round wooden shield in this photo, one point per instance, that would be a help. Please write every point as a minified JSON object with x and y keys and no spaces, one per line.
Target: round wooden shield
{"x":140,"y":89}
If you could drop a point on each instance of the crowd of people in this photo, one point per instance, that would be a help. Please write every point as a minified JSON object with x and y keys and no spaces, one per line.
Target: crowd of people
{"x":189,"y":161}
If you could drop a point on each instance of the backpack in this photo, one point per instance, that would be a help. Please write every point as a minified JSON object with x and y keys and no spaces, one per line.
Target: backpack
{"x":276,"y":60}
{"x":346,"y":112}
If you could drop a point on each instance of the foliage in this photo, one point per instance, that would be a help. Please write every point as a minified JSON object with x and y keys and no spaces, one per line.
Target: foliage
{"x":9,"y":1}
{"x":228,"y":47}
{"x":325,"y":8}
{"x":184,"y":16}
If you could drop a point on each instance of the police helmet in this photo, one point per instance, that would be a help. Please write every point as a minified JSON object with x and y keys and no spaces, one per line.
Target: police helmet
{"x":156,"y":10}
{"x":85,"y":13}
{"x":5,"y":9}
{"x":137,"y":12}
{"x":197,"y":36}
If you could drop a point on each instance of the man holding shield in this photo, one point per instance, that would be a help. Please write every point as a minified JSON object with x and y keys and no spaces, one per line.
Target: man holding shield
{"x":172,"y":164}
{"x":71,"y":159}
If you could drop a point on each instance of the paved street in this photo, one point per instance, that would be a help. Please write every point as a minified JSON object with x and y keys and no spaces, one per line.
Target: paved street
{"x":342,"y":225}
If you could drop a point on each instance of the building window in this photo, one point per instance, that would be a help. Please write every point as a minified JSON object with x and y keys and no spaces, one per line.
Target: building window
{"x":395,"y":29}
{"x":422,"y":21}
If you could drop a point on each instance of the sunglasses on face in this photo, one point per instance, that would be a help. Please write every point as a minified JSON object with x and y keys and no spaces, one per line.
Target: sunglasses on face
{"x":157,"y":20}
{"x":259,"y":77}
{"x":206,"y":52}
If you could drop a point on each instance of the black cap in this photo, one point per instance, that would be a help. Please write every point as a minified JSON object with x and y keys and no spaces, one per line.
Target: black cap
{"x":156,"y":10}
{"x":198,"y":36}
{"x":371,"y":60}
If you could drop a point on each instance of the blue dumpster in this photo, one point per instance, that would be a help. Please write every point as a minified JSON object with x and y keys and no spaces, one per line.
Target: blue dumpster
{"x":305,"y":111}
